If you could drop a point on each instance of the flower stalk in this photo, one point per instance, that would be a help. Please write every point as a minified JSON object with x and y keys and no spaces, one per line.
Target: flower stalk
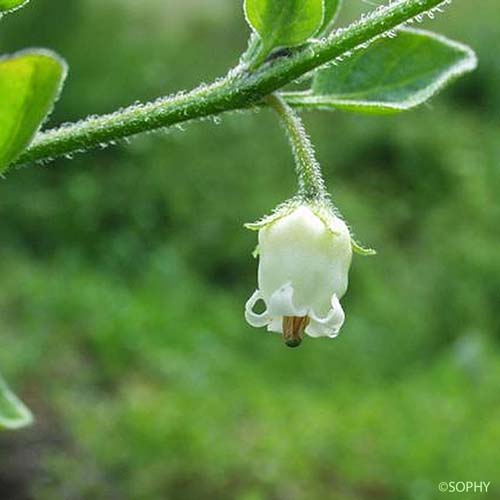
{"x":311,"y":184}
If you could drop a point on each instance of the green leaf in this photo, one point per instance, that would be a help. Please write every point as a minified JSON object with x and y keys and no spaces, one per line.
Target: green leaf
{"x":30,"y":83}
{"x":332,"y":8}
{"x":390,"y":75}
{"x":13,"y":412}
{"x":284,"y":23}
{"x":9,"y":5}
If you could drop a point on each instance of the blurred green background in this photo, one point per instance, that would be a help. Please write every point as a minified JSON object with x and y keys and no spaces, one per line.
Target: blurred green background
{"x":124,"y":273}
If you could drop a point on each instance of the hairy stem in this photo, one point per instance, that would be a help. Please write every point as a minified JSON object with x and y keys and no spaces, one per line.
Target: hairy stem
{"x":238,"y":90}
{"x":311,"y":184}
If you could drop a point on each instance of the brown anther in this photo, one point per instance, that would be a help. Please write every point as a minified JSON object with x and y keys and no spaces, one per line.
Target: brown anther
{"x":293,"y":329}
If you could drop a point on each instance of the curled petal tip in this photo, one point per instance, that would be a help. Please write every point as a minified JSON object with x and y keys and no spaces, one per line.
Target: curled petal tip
{"x":255,"y":319}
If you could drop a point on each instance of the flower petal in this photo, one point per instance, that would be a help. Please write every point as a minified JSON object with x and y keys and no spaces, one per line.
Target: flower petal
{"x":276,"y":325}
{"x":281,"y":303}
{"x":330,"y":325}
{"x":252,"y":317}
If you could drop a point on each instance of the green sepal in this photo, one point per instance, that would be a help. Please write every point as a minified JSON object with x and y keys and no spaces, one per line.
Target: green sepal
{"x":279,"y":212}
{"x":14,"y":414}
{"x":361,"y":250}
{"x":323,"y":208}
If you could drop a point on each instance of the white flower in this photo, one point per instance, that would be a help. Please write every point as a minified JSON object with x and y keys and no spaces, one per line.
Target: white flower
{"x":303,"y":272}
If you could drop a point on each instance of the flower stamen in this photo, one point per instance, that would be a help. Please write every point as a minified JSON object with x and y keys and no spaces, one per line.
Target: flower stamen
{"x":293,"y":329}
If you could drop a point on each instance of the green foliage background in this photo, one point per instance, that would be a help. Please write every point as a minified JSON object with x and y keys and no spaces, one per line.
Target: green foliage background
{"x":124,"y":274}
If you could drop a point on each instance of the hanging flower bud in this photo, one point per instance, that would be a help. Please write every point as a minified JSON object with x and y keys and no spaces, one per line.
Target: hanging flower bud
{"x":305,"y":253}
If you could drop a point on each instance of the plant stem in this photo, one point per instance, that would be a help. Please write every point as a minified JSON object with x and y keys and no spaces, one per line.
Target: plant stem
{"x":311,"y":184}
{"x":238,"y":90}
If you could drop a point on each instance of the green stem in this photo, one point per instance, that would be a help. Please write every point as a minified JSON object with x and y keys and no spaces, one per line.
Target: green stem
{"x":238,"y":90}
{"x":311,"y":184}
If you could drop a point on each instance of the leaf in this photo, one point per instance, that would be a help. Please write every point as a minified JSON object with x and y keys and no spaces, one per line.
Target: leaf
{"x":30,"y":83}
{"x":9,"y":5}
{"x":284,"y":23}
{"x":332,"y":8}
{"x":391,"y":75}
{"x":13,"y":412}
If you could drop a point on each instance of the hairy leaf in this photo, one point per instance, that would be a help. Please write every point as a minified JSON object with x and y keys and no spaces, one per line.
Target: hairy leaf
{"x":284,"y":23}
{"x":30,"y":83}
{"x":390,"y":75}
{"x":13,"y":412}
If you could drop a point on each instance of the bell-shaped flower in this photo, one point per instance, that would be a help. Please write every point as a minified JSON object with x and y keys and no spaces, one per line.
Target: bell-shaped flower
{"x":304,"y":253}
